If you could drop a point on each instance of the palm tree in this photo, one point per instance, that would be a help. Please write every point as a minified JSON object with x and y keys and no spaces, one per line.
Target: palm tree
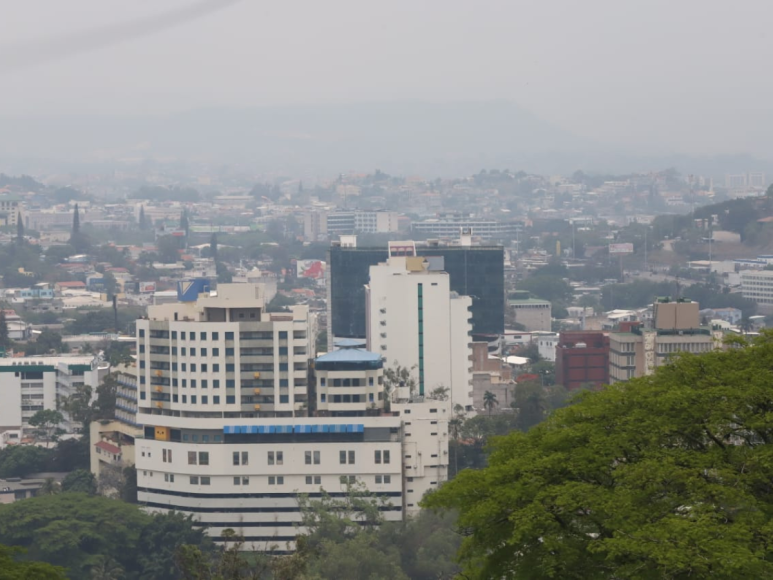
{"x":106,"y":568}
{"x":50,"y":487}
{"x":455,"y":429}
{"x":489,"y":401}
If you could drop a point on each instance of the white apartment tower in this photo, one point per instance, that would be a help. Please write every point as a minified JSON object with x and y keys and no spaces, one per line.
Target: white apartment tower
{"x":416,"y":321}
{"x":232,"y":436}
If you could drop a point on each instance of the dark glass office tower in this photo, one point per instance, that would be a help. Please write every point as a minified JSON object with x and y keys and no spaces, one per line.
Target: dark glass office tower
{"x":475,"y":271}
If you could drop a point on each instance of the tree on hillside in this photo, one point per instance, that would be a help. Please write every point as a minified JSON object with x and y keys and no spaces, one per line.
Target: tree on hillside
{"x":13,"y":567}
{"x":76,"y":221}
{"x":665,"y":476}
{"x":76,"y":531}
{"x":143,"y":221}
{"x":184,"y":225}
{"x":5,"y":341}
{"x":80,"y":481}
{"x":19,"y":229}
{"x":213,"y":247}
{"x":46,"y":422}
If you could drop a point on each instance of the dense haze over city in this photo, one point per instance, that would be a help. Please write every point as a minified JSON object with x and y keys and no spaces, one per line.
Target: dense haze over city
{"x":543,"y":87}
{"x":385,"y":291}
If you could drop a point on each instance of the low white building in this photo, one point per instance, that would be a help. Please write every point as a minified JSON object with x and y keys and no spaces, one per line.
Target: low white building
{"x":32,"y":384}
{"x":546,"y":344}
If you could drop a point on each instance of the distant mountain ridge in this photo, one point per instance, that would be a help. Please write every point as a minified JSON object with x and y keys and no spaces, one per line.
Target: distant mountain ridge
{"x":430,"y":139}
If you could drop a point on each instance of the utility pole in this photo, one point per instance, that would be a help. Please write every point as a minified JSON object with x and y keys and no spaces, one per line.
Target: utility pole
{"x":646,"y":267}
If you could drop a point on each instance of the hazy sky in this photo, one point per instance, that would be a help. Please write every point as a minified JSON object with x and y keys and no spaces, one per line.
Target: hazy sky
{"x":658,"y":75}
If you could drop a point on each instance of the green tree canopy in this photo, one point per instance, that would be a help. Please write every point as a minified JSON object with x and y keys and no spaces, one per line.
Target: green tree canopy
{"x":666,"y":476}
{"x":80,"y":532}
{"x":80,"y":481}
{"x":12,"y":567}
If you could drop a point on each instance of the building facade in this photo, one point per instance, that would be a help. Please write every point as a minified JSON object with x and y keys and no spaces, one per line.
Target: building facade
{"x":582,"y":359}
{"x":449,"y":228}
{"x":32,"y":384}
{"x":417,"y":322}
{"x":244,"y":471}
{"x":475,"y":271}
{"x":534,"y":314}
{"x":636,"y":351}
{"x":757,"y":285}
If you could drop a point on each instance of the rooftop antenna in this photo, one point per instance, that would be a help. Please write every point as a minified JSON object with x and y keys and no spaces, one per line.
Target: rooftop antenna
{"x":678,"y":292}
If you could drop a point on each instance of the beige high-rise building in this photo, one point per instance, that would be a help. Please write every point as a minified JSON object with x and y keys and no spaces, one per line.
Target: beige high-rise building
{"x":637,"y":352}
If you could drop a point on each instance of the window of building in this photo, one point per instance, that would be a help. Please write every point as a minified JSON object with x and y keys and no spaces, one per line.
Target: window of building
{"x":230,"y":384}
{"x":142,"y":333}
{"x":240,"y":458}
{"x":204,"y":383}
{"x":204,"y":368}
{"x":174,"y":334}
{"x":193,"y":383}
{"x":175,"y":397}
{"x":284,"y":383}
{"x":378,"y":456}
{"x":237,"y":480}
{"x":203,"y":352}
{"x":215,"y":336}
{"x":185,"y":397}
{"x":193,"y":367}
{"x":230,"y":399}
{"x":387,"y":479}
{"x":204,"y":400}
{"x":284,"y":398}
{"x":216,"y":400}
{"x":282,"y":350}
{"x":322,"y":382}
{"x":282,"y":366}
{"x":182,"y":351}
{"x":166,"y":455}
{"x":271,"y":458}
{"x":203,"y":335}
{"x":194,"y":480}
{"x":215,"y":352}
{"x":282,"y":335}
{"x":229,"y":352}
{"x":203,"y":457}
{"x":216,"y":367}
{"x":205,"y":480}
{"x":169,"y":477}
{"x":193,"y":399}
{"x":193,"y":352}
{"x":185,"y":382}
{"x":229,"y":335}
{"x":174,"y":350}
{"x":184,"y":366}
{"x":174,"y":366}
{"x":379,"y":479}
{"x":191,"y":458}
{"x":230,"y":367}
{"x":215,"y":383}
{"x":323,"y":398}
{"x":192,"y":335}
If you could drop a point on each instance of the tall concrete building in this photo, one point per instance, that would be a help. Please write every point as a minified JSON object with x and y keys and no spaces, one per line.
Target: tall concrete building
{"x":474,"y":270}
{"x":637,"y":352}
{"x":416,"y":321}
{"x":233,"y":435}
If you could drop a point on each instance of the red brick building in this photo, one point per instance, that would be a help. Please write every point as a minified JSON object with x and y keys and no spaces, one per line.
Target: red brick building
{"x":582,"y":358}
